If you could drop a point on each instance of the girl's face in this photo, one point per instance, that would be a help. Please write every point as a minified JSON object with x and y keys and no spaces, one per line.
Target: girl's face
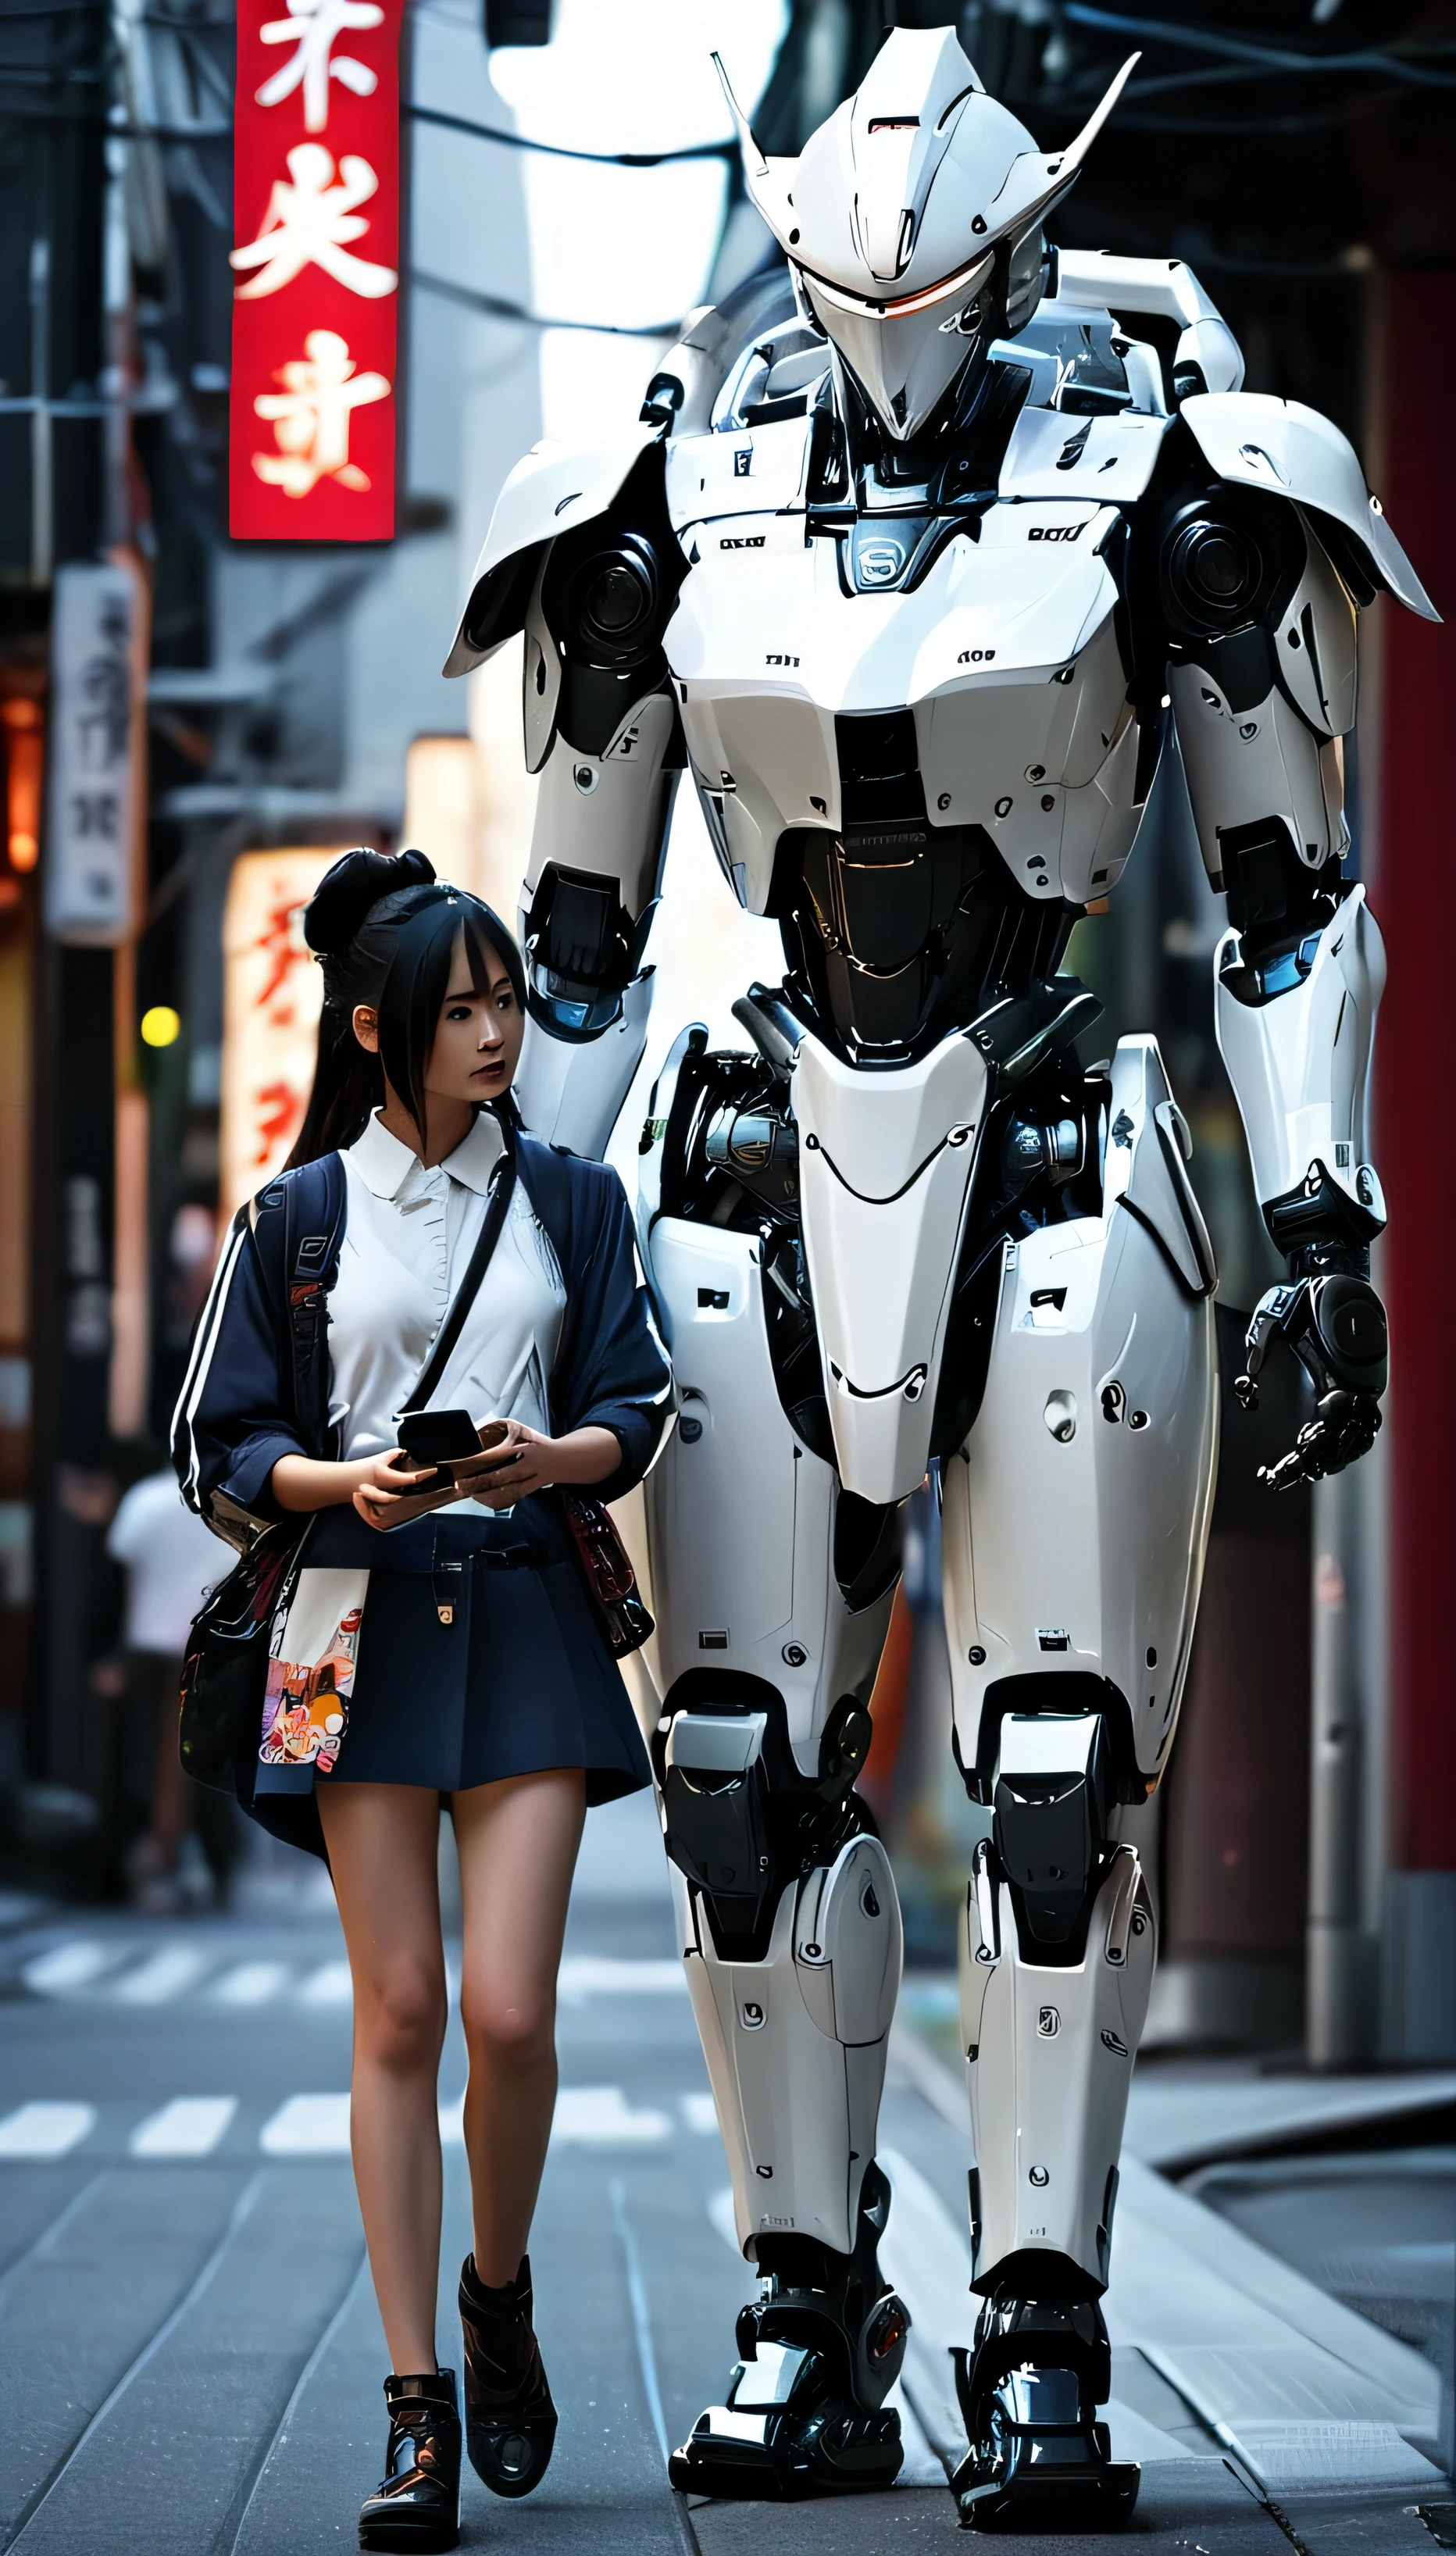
{"x":477,"y":1038}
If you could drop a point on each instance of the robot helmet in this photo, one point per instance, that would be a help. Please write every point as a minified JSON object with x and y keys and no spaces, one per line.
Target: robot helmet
{"x":912,"y":219}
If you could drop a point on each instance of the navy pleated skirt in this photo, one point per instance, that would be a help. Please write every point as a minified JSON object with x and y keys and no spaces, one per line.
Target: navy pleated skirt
{"x":519,"y":1680}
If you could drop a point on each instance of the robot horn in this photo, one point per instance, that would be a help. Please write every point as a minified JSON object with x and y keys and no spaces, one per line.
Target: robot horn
{"x":746,"y":143}
{"x":1076,"y":152}
{"x":1039,"y":178}
{"x":768,"y":181}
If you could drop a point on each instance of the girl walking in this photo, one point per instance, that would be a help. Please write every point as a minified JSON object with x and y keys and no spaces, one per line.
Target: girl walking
{"x":421,"y":1267}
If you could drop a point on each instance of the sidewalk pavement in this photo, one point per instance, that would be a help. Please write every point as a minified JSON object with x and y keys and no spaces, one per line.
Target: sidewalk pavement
{"x":192,"y":2357}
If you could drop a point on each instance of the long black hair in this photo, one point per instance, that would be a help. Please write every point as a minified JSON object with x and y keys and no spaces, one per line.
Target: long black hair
{"x":383,"y":929}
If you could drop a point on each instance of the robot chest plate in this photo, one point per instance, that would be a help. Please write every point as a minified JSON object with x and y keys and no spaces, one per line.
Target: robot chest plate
{"x":1005,"y":656}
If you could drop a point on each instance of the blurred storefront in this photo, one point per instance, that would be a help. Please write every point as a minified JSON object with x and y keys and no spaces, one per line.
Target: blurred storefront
{"x":192,"y":723}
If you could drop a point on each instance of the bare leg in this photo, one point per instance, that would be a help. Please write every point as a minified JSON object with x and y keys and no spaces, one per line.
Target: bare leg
{"x":517,"y":1844}
{"x":383,"y":1841}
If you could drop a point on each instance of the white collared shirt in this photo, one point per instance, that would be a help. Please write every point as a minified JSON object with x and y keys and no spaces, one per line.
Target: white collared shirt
{"x":406,"y":1244}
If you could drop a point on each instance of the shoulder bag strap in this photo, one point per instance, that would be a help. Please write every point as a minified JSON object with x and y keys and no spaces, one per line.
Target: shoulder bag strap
{"x":498,"y":1201}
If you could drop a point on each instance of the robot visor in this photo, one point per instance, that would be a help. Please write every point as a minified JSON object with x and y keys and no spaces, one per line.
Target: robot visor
{"x":964,"y":284}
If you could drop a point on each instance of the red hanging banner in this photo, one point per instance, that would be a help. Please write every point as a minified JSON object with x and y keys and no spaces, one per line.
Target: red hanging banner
{"x":316,"y":221}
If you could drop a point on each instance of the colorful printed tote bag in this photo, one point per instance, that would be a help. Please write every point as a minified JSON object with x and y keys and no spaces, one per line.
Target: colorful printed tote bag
{"x":310,"y":1670}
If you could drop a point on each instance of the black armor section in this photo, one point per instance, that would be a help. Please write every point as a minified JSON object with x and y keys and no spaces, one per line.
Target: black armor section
{"x":740,"y":1837}
{"x":1050,"y":1841}
{"x":836,"y":2304}
{"x":730,"y":1158}
{"x":501,"y":599}
{"x":1050,"y":1834}
{"x":950,"y":471}
{"x":868,"y":1549}
{"x":1228,"y":560}
{"x":1037,"y":2458}
{"x":609,"y":591}
{"x":582,"y":948}
{"x":1320,"y":1228}
{"x":1277,"y":905}
{"x":1076,"y":1692}
{"x":897,"y":932}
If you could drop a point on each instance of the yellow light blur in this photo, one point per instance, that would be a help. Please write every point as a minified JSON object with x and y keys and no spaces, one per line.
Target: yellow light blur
{"x":161,"y":1025}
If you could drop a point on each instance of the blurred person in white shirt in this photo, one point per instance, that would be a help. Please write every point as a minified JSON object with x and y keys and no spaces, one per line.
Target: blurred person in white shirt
{"x":170,"y":1559}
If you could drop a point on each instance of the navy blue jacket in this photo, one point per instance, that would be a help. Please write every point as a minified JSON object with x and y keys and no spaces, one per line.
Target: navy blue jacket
{"x":240,"y":1411}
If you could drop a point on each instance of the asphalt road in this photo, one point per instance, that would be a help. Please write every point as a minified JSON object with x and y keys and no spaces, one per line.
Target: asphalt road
{"x":191,"y":2356}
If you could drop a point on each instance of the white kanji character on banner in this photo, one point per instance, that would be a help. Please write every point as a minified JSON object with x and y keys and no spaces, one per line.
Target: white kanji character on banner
{"x":311,"y":26}
{"x":310,"y":417}
{"x":310,"y":221}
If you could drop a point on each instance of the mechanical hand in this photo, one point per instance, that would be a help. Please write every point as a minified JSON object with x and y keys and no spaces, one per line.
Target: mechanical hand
{"x":1336,"y":1326}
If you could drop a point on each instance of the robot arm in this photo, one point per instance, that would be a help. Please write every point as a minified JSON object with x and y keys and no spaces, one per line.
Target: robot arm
{"x":581,"y":556}
{"x":1259,"y":596}
{"x":586,"y":910}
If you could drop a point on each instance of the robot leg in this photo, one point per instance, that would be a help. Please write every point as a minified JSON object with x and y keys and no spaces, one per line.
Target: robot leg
{"x":1074,"y":1526}
{"x":773,"y":1592}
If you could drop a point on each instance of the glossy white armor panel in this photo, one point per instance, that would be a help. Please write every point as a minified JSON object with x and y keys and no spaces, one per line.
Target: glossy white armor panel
{"x":1247,"y":763}
{"x":1049,"y":2053}
{"x":1162,"y":287}
{"x":1300,"y":1063}
{"x":796,"y":2045}
{"x":1075,"y":1520}
{"x":1107,"y":460}
{"x":554,"y":489}
{"x":1256,"y":441}
{"x":607,"y":813}
{"x":740,"y":1516}
{"x":885,"y":1164}
{"x":570,"y":1091}
{"x":1006,"y":653}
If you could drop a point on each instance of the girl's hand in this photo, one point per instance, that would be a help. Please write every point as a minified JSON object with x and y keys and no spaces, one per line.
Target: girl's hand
{"x":388,"y":1490}
{"x":527,"y":1461}
{"x":519,"y":1464}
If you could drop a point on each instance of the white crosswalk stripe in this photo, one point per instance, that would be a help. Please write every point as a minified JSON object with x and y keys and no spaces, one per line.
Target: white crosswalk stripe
{"x":165,"y":1975}
{"x":42,"y":2130}
{"x":68,"y":1967}
{"x":251,"y":1984}
{"x":599,"y":2117}
{"x":591,"y":1974}
{"x":190,"y":2125}
{"x":330,"y":1984}
{"x":308,"y":2125}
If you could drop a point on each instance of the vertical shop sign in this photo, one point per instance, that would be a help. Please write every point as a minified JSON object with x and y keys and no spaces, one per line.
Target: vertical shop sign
{"x":91,"y":815}
{"x":272,"y":993}
{"x":315,"y":303}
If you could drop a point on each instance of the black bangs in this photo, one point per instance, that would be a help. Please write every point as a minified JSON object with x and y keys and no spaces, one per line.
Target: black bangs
{"x":485,"y":933}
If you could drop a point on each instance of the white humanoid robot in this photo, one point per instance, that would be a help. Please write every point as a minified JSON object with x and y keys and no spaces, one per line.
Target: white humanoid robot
{"x":914,"y":549}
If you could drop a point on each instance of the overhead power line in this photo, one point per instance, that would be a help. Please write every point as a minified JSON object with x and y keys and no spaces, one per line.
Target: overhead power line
{"x":1253,"y":49}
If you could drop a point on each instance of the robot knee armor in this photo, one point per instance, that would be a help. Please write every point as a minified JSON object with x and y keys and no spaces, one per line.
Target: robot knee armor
{"x":741,"y":1821}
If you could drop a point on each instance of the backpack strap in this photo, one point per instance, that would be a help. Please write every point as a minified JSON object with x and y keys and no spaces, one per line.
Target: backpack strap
{"x":313,"y":1233}
{"x":299,"y":1226}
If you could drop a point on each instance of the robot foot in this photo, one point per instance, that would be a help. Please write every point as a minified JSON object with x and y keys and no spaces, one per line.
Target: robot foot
{"x":805,"y":2412}
{"x":1038,"y":2458}
{"x":788,"y":2434}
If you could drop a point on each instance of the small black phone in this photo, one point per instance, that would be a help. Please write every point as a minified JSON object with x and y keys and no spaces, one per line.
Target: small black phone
{"x":439,"y":1436}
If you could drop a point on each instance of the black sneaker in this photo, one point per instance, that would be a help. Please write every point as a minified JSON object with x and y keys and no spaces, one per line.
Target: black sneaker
{"x":418,"y":2505}
{"x":510,"y":2420}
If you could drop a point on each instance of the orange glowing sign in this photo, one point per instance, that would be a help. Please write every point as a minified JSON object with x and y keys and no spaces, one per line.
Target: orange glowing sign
{"x":272,"y":995}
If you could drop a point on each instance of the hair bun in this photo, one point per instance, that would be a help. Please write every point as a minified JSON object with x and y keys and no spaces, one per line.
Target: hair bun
{"x":344,"y":895}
